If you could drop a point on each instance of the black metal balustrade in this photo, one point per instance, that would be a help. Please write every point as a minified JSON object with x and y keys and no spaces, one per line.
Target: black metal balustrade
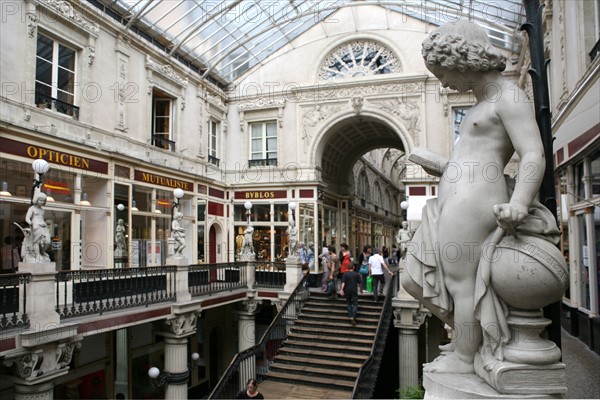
{"x":13,"y":301}
{"x":44,"y":101}
{"x":262,"y":162}
{"x":214,"y":160}
{"x":255,"y":361}
{"x":159,"y":140}
{"x":96,"y":291}
{"x":269,"y":274}
{"x":364,"y":385}
{"x":206,"y":279}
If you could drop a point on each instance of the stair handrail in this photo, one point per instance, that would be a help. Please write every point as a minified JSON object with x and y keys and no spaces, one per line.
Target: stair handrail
{"x":232,"y":381}
{"x":368,"y":372}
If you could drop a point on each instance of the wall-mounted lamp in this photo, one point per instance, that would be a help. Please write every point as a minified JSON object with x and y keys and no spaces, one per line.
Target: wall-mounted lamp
{"x":177,"y":194}
{"x":134,"y":206}
{"x":40,"y":166}
{"x":162,"y":378}
{"x":49,"y":198}
{"x":248,"y":207}
{"x":4,"y":189}
{"x":84,"y":200}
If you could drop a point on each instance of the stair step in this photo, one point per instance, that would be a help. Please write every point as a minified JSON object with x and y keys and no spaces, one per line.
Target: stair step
{"x":350,"y":331}
{"x":331,"y":340}
{"x":364,"y":324}
{"x":368,"y":321}
{"x":313,"y":380}
{"x":300,"y":352}
{"x":328,"y":346}
{"x":315,"y":313}
{"x":322,"y":362}
{"x":314,"y":371}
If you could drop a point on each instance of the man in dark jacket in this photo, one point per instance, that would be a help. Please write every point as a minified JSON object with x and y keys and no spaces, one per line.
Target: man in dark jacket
{"x":351,"y":283}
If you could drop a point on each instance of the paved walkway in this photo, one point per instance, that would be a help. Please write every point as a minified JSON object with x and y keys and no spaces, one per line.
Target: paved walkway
{"x":583,"y":369}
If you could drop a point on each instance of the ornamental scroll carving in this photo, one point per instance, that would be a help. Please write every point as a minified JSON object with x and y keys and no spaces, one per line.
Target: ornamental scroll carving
{"x":261,"y":104}
{"x":407,"y":111}
{"x":26,"y":366}
{"x":314,"y":116}
{"x":183,"y":324}
{"x":166,"y":71}
{"x":251,"y":305}
{"x":65,"y":10}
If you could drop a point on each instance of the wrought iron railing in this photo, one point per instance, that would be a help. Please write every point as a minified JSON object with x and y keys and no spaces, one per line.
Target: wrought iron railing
{"x":263,"y":162}
{"x":44,"y":101}
{"x":368,"y":372}
{"x":13,"y":301}
{"x":213,"y":160}
{"x":269,"y":274}
{"x":161,"y":141}
{"x":206,"y":279}
{"x":256,"y":361}
{"x":84,"y":292}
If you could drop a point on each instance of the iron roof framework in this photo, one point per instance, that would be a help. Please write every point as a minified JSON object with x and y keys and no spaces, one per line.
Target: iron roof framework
{"x":222,"y":39}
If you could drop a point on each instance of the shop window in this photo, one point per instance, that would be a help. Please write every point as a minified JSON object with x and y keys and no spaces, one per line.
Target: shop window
{"x":162,"y":120}
{"x":595,"y":175}
{"x":591,"y":28}
{"x":584,"y":256}
{"x":55,"y":76}
{"x":201,"y":231}
{"x":213,"y":129}
{"x":263,"y":143}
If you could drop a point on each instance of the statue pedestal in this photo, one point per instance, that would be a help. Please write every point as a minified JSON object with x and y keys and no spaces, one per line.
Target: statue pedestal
{"x":41,"y":295}
{"x":293,"y":273}
{"x":181,"y":277}
{"x":531,"y":364}
{"x":170,"y":248}
{"x":468,"y":386}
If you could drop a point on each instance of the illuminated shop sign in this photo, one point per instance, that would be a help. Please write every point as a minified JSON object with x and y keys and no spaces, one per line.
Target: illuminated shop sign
{"x":160,"y":180}
{"x":261,"y":195}
{"x":52,"y":156}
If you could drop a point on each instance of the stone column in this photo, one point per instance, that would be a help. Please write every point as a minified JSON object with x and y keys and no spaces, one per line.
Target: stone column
{"x":122,"y":361}
{"x":409,"y":316}
{"x":176,"y":365}
{"x":247,"y":337}
{"x":176,"y":371}
{"x":42,"y":391}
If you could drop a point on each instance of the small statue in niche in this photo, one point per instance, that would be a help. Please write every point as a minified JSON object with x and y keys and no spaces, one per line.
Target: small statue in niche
{"x":120,"y":235}
{"x":178,"y":233}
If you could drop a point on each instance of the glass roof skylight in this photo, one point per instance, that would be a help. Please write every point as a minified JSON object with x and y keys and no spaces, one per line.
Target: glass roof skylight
{"x":225,"y":38}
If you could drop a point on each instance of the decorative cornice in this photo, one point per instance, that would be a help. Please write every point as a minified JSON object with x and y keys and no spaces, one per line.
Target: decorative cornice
{"x":166,"y":71}
{"x":261,"y":104}
{"x":65,"y":9}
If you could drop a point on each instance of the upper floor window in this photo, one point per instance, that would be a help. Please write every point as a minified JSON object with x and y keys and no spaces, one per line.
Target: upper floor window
{"x":162,"y":120}
{"x":357,"y":59}
{"x":459,"y":114}
{"x":213,"y":128}
{"x":55,"y":76}
{"x":263,"y":147}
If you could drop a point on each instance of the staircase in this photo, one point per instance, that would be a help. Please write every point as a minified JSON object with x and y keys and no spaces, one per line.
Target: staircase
{"x":323,"y":348}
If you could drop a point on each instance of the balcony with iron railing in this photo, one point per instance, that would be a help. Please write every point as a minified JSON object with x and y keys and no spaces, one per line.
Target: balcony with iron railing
{"x":162,"y":141}
{"x":44,"y":101}
{"x":81,"y":293}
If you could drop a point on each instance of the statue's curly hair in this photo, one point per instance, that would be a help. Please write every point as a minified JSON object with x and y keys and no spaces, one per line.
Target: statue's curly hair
{"x":453,"y":50}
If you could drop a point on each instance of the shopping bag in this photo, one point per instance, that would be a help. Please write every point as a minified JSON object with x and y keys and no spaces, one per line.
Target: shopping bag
{"x":370,"y":284}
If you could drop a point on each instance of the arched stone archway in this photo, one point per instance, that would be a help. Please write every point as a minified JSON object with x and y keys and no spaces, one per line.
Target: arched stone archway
{"x":342,"y":142}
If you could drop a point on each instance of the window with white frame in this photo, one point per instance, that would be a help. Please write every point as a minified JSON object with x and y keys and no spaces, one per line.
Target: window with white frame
{"x":263,"y":143}
{"x":459,"y":114}
{"x":213,"y":129}
{"x":55,"y":76}
{"x":162,"y":120}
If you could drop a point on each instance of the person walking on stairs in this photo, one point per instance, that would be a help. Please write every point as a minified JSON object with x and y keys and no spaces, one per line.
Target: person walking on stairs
{"x":351,"y":284}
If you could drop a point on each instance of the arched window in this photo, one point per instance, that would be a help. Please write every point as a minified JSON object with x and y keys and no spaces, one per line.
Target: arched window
{"x":359,"y":58}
